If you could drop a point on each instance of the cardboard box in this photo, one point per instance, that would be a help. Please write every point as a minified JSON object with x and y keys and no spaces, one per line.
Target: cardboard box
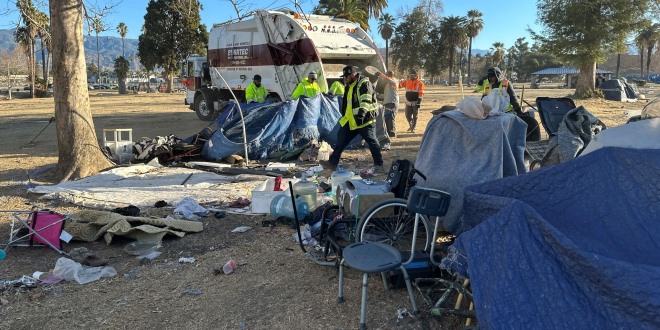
{"x":355,"y":197}
{"x":263,"y":194}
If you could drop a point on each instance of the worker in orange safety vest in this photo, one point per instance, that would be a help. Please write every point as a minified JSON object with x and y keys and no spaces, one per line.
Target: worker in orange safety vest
{"x":414,"y":94}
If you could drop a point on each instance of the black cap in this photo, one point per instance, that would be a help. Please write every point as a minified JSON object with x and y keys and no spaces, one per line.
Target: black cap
{"x":257,"y":77}
{"x":348,"y":70}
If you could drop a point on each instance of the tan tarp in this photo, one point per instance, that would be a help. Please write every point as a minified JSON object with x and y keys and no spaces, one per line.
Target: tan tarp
{"x":90,"y":225}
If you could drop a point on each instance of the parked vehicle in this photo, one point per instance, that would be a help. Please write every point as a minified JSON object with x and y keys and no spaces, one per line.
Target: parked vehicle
{"x":280,"y":46}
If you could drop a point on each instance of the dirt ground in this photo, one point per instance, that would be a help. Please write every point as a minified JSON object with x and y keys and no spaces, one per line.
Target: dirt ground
{"x":274,"y":287}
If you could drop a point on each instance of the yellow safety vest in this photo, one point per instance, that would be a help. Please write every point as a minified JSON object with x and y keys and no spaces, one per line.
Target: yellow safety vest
{"x":255,"y":94}
{"x":306,"y":88}
{"x":366,"y":103}
{"x":337,"y":88}
{"x":486,"y":87}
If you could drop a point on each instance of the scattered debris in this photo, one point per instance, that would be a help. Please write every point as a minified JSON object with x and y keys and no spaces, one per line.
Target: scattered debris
{"x":160,"y":204}
{"x":187,"y":260}
{"x":241,"y":229}
{"x":240,"y":202}
{"x":193,"y":292}
{"x":229,"y":267}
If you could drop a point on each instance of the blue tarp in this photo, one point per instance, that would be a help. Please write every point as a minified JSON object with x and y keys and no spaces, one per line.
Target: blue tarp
{"x":573,"y":246}
{"x":270,"y":128}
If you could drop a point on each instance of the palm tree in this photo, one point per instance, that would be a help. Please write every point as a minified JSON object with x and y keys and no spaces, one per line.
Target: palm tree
{"x":374,"y":7}
{"x":498,"y":53}
{"x":386,"y":29}
{"x":27,"y":37}
{"x":98,"y":27}
{"x":43,"y":22}
{"x":651,"y":37}
{"x":640,"y":42}
{"x":474,"y":25}
{"x":352,"y":10}
{"x":453,"y":35}
{"x":122,"y":29}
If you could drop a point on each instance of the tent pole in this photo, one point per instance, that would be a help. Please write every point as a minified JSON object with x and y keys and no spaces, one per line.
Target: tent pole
{"x":240,"y":111}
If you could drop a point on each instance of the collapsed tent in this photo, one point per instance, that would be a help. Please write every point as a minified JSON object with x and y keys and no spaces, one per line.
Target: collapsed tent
{"x":458,"y":151}
{"x":617,"y":90}
{"x":573,"y":246}
{"x":271,"y":128}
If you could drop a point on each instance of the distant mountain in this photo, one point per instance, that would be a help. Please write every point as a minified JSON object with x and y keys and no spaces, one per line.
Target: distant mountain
{"x":109,"y":48}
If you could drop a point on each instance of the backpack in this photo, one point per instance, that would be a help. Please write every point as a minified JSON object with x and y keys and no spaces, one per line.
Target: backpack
{"x":397,"y":177}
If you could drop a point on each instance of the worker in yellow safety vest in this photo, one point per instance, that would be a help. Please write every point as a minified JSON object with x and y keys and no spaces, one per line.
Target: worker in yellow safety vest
{"x":255,"y":92}
{"x":359,"y":109}
{"x":495,"y":79}
{"x":337,"y":88}
{"x":308,"y":87}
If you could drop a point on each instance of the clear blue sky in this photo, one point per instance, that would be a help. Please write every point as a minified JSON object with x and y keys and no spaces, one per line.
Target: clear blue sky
{"x":504,"y":21}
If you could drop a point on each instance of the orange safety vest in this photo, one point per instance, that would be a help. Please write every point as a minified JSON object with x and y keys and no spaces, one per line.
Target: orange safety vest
{"x":413,"y":86}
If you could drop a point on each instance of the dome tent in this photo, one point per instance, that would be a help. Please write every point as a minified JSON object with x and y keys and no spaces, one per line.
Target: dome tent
{"x":617,"y":90}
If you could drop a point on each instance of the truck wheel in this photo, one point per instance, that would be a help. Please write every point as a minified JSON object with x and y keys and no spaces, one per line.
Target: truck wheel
{"x":204,"y":107}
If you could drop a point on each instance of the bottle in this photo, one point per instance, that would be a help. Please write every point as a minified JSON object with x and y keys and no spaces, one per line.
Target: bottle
{"x":338,"y":177}
{"x":281,"y":206}
{"x":306,"y":190}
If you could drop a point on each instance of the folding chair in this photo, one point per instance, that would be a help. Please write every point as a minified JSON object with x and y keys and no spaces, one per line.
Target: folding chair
{"x":552,"y":111}
{"x":35,"y":228}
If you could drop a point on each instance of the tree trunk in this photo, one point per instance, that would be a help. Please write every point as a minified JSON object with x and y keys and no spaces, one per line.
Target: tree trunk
{"x":43,"y":62}
{"x":469,"y":63}
{"x":641,"y":64}
{"x":586,"y":80}
{"x":170,"y":83}
{"x":387,"y":54}
{"x":78,"y":149}
{"x":618,"y":66}
{"x":451,"y":65}
{"x":122,"y":85}
{"x":33,"y":68}
{"x":648,"y":58}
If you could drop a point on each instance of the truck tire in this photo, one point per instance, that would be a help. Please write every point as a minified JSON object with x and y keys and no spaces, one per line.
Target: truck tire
{"x":204,"y":106}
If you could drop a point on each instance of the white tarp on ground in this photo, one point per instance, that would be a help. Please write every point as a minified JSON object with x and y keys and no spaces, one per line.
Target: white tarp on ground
{"x":144,"y":185}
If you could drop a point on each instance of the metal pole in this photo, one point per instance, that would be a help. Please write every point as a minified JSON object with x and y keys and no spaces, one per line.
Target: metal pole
{"x":43,"y":129}
{"x":240,"y":111}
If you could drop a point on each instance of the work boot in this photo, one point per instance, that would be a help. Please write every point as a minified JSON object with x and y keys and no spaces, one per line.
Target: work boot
{"x":386,"y":146}
{"x":379,"y":169}
{"x":327,"y":165}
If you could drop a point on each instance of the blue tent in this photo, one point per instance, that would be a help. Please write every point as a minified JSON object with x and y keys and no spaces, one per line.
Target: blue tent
{"x":573,"y":246}
{"x":281,"y":126}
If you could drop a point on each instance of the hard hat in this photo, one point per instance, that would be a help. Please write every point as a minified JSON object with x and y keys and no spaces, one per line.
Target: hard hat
{"x":313,"y":75}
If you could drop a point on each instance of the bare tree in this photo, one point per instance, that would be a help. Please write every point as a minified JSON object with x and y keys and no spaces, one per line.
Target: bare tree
{"x":12,"y":63}
{"x":78,"y":148}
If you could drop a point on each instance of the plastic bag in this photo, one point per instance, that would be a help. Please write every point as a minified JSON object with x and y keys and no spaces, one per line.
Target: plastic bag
{"x":70,"y":270}
{"x":473,"y":108}
{"x":498,"y":100}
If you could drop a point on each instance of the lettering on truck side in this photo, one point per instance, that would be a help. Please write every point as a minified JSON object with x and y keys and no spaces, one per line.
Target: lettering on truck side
{"x":237,"y":52}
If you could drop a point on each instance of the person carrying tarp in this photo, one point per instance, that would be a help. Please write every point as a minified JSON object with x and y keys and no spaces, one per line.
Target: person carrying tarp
{"x":414,"y":93}
{"x":359,"y":109}
{"x":495,"y":79}
{"x":255,"y":92}
{"x":308,"y":87}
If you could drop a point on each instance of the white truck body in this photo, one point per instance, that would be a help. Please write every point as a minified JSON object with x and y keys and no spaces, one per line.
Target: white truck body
{"x":283,"y":48}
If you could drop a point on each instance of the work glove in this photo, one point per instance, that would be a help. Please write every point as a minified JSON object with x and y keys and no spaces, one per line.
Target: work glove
{"x":419,"y":102}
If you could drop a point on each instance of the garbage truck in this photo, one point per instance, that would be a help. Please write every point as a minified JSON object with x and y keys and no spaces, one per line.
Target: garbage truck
{"x":283,"y":47}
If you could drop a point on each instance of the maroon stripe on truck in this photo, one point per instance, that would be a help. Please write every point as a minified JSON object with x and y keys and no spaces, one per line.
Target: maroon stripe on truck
{"x":293,"y":53}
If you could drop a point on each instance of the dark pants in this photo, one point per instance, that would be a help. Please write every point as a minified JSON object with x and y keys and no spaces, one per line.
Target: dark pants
{"x":344,"y":137}
{"x":390,"y":118}
{"x":412,"y":111}
{"x":381,"y":127}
